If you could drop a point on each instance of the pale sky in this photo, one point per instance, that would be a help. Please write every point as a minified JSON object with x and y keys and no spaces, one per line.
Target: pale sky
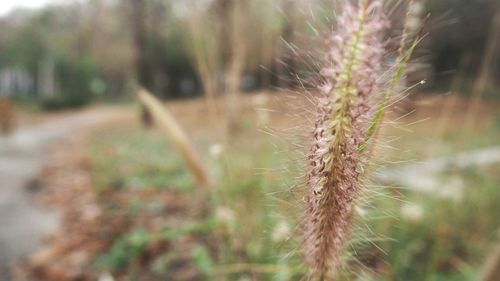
{"x":8,"y":5}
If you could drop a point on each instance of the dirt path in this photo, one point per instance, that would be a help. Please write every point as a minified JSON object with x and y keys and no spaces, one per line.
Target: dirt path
{"x":24,"y":222}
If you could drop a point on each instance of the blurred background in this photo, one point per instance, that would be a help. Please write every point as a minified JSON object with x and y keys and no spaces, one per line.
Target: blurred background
{"x":91,"y":187}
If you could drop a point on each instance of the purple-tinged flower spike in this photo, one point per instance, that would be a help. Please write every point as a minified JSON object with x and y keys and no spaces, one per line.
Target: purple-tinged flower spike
{"x":349,"y":97}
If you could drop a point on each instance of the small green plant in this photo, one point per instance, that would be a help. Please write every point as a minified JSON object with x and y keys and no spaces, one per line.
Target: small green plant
{"x":125,"y":249}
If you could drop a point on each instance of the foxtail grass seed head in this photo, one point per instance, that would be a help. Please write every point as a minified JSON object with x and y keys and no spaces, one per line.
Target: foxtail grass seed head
{"x":350,"y":95}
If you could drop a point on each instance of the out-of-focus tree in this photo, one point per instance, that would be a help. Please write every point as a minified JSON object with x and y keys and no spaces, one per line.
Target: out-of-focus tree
{"x":108,"y":43}
{"x":220,"y":49}
{"x":268,"y":22}
{"x":237,"y":19}
{"x":459,"y":28}
{"x":142,"y":70}
{"x":484,"y":75}
{"x":236,"y":45}
{"x":287,"y":70}
{"x":204,"y":49}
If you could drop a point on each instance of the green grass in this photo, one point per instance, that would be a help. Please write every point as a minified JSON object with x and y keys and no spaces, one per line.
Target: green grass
{"x":451,"y":238}
{"x":447,"y":242}
{"x":134,"y":158}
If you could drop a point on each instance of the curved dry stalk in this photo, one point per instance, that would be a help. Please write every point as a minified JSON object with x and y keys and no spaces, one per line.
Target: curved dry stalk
{"x":172,"y":129}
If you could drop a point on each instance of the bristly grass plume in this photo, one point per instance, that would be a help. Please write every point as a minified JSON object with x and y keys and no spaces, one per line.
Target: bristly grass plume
{"x":353,"y":95}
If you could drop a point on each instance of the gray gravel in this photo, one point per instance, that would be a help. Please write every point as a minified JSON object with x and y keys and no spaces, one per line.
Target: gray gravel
{"x":23,"y":221}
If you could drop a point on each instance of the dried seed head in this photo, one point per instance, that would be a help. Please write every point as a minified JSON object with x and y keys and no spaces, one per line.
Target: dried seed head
{"x":349,"y":96}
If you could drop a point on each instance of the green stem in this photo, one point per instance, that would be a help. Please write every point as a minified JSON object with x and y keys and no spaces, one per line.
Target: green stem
{"x":403,"y":60}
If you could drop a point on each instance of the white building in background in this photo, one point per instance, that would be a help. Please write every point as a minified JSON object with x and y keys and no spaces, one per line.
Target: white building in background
{"x":15,"y":81}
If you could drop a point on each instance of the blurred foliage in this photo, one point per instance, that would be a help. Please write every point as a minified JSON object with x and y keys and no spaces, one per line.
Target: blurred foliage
{"x":75,"y":84}
{"x":93,"y":40}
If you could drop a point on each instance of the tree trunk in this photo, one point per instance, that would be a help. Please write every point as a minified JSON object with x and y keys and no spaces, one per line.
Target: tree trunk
{"x":236,"y":64}
{"x":287,"y":65}
{"x":484,"y":72}
{"x":141,"y":63}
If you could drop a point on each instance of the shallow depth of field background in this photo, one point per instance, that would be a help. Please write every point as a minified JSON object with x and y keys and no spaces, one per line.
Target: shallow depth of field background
{"x":91,"y":189}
